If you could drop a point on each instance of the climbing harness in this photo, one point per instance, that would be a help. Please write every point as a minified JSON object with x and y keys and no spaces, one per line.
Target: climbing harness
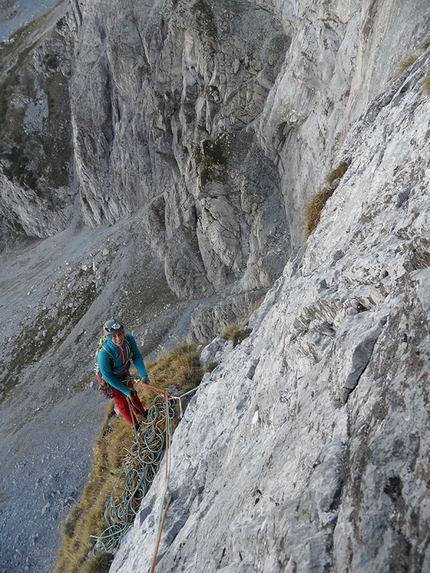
{"x":119,"y":371}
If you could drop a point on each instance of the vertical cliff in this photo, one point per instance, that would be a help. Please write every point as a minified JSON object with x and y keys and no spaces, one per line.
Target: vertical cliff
{"x":155,"y":159}
{"x":307,"y":447}
{"x":164,"y":96}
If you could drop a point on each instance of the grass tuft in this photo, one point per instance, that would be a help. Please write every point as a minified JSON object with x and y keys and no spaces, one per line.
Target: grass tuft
{"x":426,"y":85}
{"x":237,"y":333}
{"x":86,"y":518}
{"x":312,"y":210}
{"x":337,"y":173}
{"x":426,"y":44}
{"x":406,"y":63}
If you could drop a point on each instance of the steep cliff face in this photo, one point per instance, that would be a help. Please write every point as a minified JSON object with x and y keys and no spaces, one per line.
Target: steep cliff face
{"x":215,"y":121}
{"x":37,"y":183}
{"x":224,"y":111}
{"x":168,"y":150}
{"x":163,"y":95}
{"x":307,"y":447}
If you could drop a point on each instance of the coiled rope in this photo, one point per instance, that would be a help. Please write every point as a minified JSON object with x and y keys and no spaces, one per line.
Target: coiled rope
{"x":138,"y":471}
{"x":137,"y":474}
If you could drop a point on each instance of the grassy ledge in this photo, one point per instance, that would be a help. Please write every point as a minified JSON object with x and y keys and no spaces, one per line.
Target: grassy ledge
{"x":179,"y":367}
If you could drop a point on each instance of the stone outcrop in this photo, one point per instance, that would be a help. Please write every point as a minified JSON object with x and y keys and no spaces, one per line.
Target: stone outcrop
{"x":306,"y":448}
{"x":169,"y":149}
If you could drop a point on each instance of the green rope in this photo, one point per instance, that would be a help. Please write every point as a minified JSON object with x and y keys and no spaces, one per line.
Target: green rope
{"x":138,"y":470}
{"x":137,"y":473}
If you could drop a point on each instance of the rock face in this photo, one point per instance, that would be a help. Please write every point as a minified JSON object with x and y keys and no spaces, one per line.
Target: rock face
{"x":163,"y":151}
{"x":307,"y":449}
{"x":37,"y":182}
{"x":215,"y":121}
{"x":180,"y":85}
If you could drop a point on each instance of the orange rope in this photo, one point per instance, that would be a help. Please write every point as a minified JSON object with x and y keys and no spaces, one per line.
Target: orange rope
{"x":132,"y":414}
{"x":154,"y":558}
{"x":166,"y":477}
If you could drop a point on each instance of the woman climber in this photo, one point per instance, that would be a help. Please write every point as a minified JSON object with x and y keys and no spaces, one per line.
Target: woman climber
{"x":113,"y":358}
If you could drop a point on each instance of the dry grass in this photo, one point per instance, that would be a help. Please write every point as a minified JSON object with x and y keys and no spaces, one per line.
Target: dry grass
{"x":426,"y":85}
{"x":425,"y":44}
{"x":240,"y":331}
{"x":406,"y":63}
{"x":86,"y":518}
{"x":312,"y":210}
{"x":236,"y":333}
{"x":337,"y":173}
{"x":179,"y":367}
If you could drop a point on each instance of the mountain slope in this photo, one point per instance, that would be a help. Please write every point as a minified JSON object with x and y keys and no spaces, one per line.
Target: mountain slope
{"x":307,"y":448}
{"x":155,"y":160}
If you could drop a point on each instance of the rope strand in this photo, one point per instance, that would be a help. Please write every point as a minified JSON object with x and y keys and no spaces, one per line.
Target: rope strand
{"x":138,"y":471}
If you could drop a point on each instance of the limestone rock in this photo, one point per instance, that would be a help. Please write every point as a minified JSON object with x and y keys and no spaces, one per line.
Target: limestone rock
{"x":180,"y":140}
{"x":274,"y":472}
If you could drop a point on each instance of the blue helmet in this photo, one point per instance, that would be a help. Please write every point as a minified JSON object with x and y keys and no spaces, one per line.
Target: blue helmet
{"x":113,"y":325}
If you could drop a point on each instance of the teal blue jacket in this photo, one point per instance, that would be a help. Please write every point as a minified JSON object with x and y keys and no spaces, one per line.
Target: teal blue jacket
{"x":113,"y":366}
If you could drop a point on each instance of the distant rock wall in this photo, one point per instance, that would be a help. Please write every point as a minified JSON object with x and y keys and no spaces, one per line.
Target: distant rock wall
{"x":215,"y":121}
{"x":162,"y":97}
{"x":37,"y":180}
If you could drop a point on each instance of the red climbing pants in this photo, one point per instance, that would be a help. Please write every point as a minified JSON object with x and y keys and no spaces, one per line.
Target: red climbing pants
{"x":127,"y":405}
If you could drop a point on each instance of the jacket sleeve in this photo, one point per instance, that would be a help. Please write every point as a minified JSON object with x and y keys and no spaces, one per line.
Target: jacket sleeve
{"x":137,"y":357}
{"x":103,"y":361}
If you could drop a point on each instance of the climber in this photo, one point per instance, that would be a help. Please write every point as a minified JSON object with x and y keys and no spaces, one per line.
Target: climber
{"x":113,"y":360}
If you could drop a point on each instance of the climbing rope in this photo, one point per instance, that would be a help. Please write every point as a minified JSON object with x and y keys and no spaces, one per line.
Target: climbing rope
{"x":167,"y":496}
{"x":138,"y":471}
{"x":136,"y":475}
